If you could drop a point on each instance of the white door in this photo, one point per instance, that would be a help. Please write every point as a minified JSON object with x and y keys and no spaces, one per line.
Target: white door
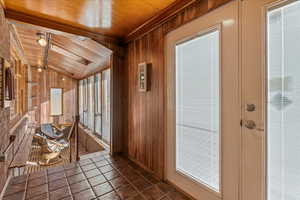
{"x":271,"y":97}
{"x":203,"y":106}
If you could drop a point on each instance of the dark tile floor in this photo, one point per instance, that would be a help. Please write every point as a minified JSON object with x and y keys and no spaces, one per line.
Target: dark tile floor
{"x":102,"y":177}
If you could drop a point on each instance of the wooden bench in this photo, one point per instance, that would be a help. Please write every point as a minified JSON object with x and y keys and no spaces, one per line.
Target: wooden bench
{"x":17,"y":166}
{"x":22,"y":154}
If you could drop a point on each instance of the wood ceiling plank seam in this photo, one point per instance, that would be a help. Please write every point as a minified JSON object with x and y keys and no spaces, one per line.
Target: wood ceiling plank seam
{"x":70,"y":51}
{"x":53,"y":56}
{"x":66,"y":73}
{"x":66,"y":66}
{"x":34,"y":28}
{"x":84,"y":53}
{"x":95,"y":47}
{"x":67,"y":69}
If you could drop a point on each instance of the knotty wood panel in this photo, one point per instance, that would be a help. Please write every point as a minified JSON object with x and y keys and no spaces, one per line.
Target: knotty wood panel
{"x":144,"y":117}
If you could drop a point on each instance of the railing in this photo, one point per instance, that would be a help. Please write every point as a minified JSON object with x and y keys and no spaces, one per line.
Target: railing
{"x":73,"y":139}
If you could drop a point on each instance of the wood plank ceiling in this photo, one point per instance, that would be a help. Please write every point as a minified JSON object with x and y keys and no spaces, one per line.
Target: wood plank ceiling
{"x":72,"y":55}
{"x":107,"y":17}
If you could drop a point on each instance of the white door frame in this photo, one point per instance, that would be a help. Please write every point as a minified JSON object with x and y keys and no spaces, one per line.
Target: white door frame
{"x":254,"y":91}
{"x":227,"y":18}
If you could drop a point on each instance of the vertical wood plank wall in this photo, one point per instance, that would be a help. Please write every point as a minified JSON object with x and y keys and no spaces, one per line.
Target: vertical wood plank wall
{"x":144,"y":116}
{"x":118,"y":98}
{"x":42,"y":82}
{"x":4,"y":50}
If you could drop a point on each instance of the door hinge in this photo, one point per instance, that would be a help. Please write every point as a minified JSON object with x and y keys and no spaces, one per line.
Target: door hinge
{"x":241,"y":123}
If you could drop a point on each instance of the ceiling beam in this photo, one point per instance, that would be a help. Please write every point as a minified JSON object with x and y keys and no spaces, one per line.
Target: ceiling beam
{"x":20,"y":16}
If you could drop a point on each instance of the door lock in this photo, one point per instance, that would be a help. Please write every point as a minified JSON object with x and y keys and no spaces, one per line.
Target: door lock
{"x":250,"y":124}
{"x":250,"y":107}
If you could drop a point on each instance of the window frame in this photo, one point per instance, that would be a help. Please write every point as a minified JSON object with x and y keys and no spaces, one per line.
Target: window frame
{"x":98,"y":101}
{"x":62,"y":102}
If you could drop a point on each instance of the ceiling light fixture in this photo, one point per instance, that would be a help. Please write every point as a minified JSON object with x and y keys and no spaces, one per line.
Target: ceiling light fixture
{"x":42,"y":39}
{"x":40,"y":69}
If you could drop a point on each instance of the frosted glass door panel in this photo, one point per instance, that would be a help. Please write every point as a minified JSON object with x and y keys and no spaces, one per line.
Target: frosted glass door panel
{"x":284,"y":103}
{"x":197,"y":109}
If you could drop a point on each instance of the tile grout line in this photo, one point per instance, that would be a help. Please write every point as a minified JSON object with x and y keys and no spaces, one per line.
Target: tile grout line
{"x":87,"y":178}
{"x":106,"y":178}
{"x":68,"y":183}
{"x":26,"y":185}
{"x":48,"y":194}
{"x":130,"y":182}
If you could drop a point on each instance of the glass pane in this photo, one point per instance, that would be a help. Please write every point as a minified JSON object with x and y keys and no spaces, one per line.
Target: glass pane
{"x":284,"y":103}
{"x":197,"y":109}
{"x":85,"y":102}
{"x":98,"y":125}
{"x":106,"y":106}
{"x":91,"y":103}
{"x":56,"y":101}
{"x":81,"y":101}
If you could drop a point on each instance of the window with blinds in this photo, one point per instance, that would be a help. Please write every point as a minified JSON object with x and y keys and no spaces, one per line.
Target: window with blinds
{"x":283,"y":106}
{"x":198,"y":110}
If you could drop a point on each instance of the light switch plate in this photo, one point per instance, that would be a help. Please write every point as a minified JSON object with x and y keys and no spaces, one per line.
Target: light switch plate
{"x":143,"y":77}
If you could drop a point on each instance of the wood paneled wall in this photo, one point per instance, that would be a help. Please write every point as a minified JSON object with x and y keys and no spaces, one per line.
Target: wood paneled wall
{"x":144,"y":117}
{"x":41,"y":84}
{"x":4,"y":50}
{"x":118,"y":99}
{"x":4,"y":36}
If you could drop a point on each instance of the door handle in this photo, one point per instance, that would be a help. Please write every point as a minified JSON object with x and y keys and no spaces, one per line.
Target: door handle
{"x":250,"y":124}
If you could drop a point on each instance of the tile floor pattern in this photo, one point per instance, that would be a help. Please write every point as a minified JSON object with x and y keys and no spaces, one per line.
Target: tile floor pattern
{"x":102,"y":178}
